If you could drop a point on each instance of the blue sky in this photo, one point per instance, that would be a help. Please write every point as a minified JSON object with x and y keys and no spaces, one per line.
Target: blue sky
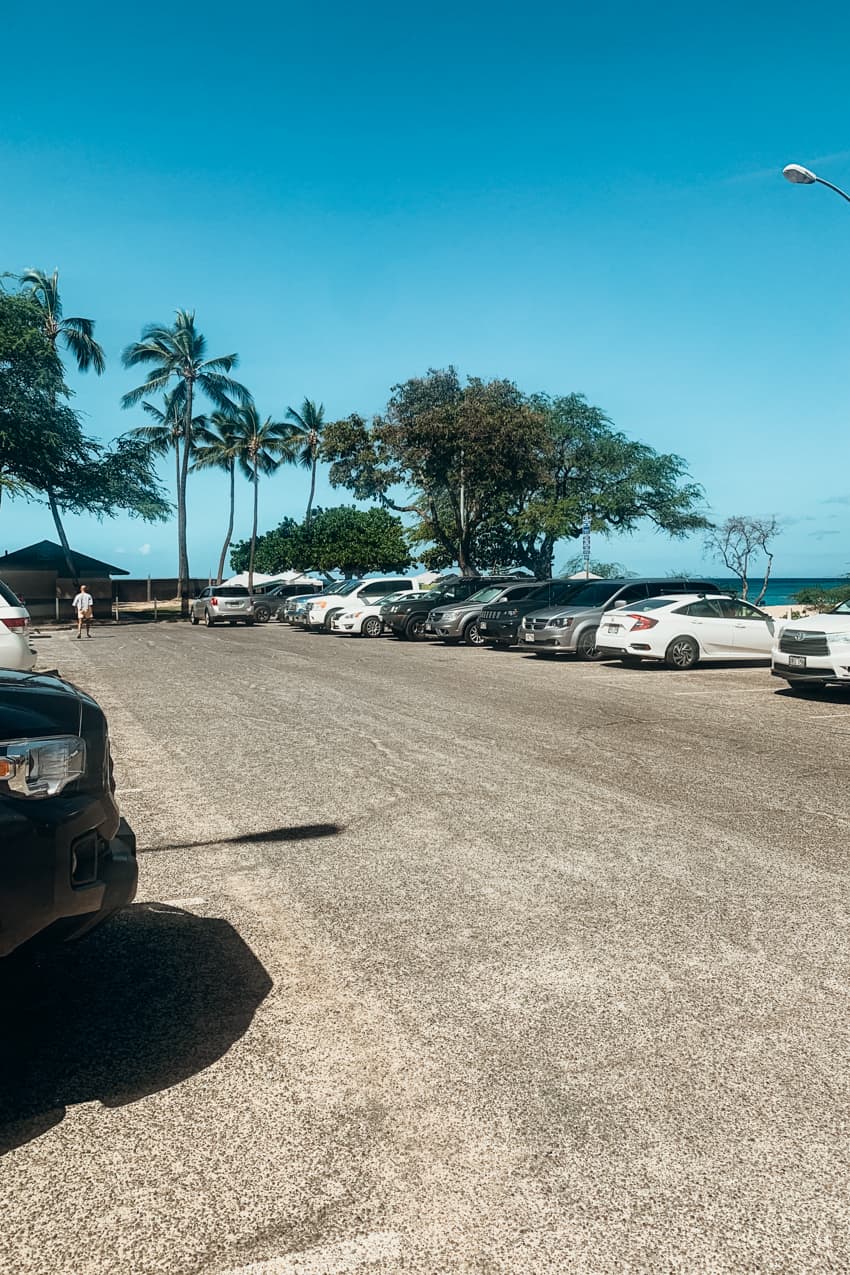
{"x":348,"y":195}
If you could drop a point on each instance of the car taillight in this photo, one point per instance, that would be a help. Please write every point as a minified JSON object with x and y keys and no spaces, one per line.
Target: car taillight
{"x":641,"y":622}
{"x":214,"y":602}
{"x":16,"y":623}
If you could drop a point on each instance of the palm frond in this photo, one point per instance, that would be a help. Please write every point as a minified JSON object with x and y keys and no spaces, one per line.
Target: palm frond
{"x":157,"y":380}
{"x":77,"y":335}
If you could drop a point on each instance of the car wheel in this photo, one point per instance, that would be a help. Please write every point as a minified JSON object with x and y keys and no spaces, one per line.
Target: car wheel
{"x":208,"y":620}
{"x":682,"y":653}
{"x":472,"y":634}
{"x":414,"y":630}
{"x":328,"y":621}
{"x":262,"y":614}
{"x":193,"y":618}
{"x":371,"y":627}
{"x":586,"y":648}
{"x":631,"y":661}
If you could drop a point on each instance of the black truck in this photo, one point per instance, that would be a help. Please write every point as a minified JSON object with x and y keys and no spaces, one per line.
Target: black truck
{"x":67,"y":858}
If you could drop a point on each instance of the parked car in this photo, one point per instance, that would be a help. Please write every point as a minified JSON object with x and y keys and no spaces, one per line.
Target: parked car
{"x":294,"y":611}
{"x":365,"y":618}
{"x":460,"y":621}
{"x":15,"y":649}
{"x":814,"y":651}
{"x":683,"y":631}
{"x":320,"y":613}
{"x":407,"y":619}
{"x":222,"y":602}
{"x":572,"y":629}
{"x":68,"y":859}
{"x":269,"y":600}
{"x":500,"y":621}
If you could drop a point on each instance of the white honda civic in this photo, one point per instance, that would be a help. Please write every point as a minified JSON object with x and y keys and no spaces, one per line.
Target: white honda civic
{"x":680,"y":631}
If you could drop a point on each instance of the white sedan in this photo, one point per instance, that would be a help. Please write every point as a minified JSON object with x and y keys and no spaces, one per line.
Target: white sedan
{"x":364,"y":618}
{"x":681,"y":631}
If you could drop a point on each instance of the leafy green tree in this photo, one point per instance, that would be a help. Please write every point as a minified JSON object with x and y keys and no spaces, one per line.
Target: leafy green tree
{"x":77,"y":335}
{"x":218,"y":446}
{"x":176,"y":356}
{"x":464,"y":456}
{"x":261,"y":446}
{"x":343,"y":539}
{"x":310,"y":422}
{"x":604,"y":570}
{"x":42,"y":446}
{"x":592,"y":468}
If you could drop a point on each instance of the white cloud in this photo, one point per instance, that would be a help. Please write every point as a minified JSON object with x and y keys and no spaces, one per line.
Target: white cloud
{"x":144,"y":550}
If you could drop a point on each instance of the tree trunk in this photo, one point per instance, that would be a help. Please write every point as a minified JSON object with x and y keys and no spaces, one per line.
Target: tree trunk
{"x":766,"y":578}
{"x":312,"y":487}
{"x":226,"y":546}
{"x":254,"y":529}
{"x":63,"y":539}
{"x":182,"y":551}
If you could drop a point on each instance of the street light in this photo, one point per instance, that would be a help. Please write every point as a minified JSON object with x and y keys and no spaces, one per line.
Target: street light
{"x":800,"y":176}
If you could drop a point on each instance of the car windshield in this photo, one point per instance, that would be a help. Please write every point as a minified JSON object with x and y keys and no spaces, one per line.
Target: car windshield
{"x":344,"y":586}
{"x":488,"y":594}
{"x":561,"y":594}
{"x":650,"y":604}
{"x":843,"y":608}
{"x":594,"y":593}
{"x":8,"y":596}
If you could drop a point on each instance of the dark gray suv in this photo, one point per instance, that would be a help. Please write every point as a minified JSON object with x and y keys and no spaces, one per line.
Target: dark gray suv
{"x":571,"y":630}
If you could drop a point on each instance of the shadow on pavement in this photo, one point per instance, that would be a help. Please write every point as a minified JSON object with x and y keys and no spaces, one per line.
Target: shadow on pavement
{"x":297,"y":832}
{"x":152,"y":998}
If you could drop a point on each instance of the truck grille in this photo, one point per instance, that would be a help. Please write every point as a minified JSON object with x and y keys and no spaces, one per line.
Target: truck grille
{"x":540,"y":624}
{"x":799,"y":642}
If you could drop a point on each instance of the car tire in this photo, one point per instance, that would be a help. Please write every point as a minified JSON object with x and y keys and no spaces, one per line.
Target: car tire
{"x":414,"y":630}
{"x":371,"y":627}
{"x":586,"y":648}
{"x":682,"y":653}
{"x":208,"y":620}
{"x":631,"y":661}
{"x":328,"y":621}
{"x":472,"y":634}
{"x":262,"y":614}
{"x":193,"y":618}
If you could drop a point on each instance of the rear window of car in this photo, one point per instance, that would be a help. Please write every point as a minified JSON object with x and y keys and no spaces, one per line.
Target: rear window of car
{"x":8,"y":596}
{"x":650,"y":604}
{"x":231,"y":591}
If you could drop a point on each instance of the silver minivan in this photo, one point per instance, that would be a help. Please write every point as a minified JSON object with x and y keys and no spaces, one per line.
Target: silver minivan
{"x":222,"y":603}
{"x":571,"y":630}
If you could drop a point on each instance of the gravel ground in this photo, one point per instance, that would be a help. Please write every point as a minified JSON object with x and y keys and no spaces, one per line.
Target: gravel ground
{"x":443,"y":961}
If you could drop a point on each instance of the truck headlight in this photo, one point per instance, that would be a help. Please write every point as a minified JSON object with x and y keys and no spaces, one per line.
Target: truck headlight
{"x":838,"y":639}
{"x":41,"y":767}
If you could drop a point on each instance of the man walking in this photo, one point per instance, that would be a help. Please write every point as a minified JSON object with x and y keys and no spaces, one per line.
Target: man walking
{"x":82,"y":604}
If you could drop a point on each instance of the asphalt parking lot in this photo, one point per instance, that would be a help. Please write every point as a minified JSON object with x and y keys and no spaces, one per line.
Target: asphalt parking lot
{"x":443,"y":960}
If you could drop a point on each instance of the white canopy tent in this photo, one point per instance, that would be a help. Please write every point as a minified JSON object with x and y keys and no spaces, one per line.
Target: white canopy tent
{"x":284,"y":577}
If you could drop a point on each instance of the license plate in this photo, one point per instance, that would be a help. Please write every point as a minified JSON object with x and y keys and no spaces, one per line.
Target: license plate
{"x":529,"y":637}
{"x":233,"y":604}
{"x":613,"y":628}
{"x":796,"y":661}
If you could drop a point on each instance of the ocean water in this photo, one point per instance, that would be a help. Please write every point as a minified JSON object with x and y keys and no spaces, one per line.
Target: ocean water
{"x":780,"y":590}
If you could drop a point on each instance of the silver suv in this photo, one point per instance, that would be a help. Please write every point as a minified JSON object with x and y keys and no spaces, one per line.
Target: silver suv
{"x":458,"y":621}
{"x":571,"y":630}
{"x":222,"y":602}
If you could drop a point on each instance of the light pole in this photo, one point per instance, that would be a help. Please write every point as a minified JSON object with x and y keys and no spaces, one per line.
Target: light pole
{"x":800,"y":176}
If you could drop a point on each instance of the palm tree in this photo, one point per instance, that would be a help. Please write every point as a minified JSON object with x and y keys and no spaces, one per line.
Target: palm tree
{"x":310,"y":421}
{"x":261,"y":447}
{"x":167,"y":431}
{"x":218,"y":446}
{"x":77,"y":335}
{"x":178,"y":354}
